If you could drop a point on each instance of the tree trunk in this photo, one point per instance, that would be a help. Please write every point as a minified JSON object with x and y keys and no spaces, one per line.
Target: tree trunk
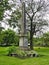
{"x":31,"y":38}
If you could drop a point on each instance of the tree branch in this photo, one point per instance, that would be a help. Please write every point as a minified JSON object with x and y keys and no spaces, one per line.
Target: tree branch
{"x":28,"y":15}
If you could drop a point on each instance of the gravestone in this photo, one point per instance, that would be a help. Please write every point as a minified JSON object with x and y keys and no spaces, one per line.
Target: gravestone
{"x":23,"y":42}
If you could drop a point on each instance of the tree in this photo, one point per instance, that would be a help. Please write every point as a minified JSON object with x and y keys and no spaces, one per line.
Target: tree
{"x":4,"y":5}
{"x":9,"y":37}
{"x":1,"y":28}
{"x":15,"y":17}
{"x":36,"y":10}
{"x":46,"y":39}
{"x":13,"y":13}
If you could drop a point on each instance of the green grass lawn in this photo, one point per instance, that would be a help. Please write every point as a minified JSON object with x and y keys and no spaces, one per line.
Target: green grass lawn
{"x":42,"y":60}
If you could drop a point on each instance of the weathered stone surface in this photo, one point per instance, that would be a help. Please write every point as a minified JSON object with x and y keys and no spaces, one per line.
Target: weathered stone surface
{"x":23,"y":43}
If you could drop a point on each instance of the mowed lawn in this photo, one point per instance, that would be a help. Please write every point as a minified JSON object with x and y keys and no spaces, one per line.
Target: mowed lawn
{"x":43,"y":59}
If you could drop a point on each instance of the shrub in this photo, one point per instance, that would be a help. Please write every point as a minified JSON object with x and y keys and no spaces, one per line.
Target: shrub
{"x":16,"y":52}
{"x":8,"y":37}
{"x":11,"y":50}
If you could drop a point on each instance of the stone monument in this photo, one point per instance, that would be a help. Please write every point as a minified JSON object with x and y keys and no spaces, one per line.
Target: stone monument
{"x":23,"y":42}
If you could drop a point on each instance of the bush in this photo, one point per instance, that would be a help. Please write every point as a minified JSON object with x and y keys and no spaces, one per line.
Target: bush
{"x":11,"y":50}
{"x":16,"y":52}
{"x":8,"y":37}
{"x":21,"y":53}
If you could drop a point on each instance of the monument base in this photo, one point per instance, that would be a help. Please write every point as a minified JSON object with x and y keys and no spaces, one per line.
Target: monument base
{"x":24,"y":48}
{"x":23,"y":43}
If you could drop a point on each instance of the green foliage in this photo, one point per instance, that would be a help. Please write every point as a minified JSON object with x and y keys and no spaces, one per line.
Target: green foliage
{"x":15,"y":16}
{"x":21,"y":53}
{"x":9,"y":37}
{"x":12,"y":49}
{"x":46,"y":38}
{"x":37,"y":41}
{"x":42,"y":60}
{"x":4,"y":5}
{"x":1,"y":38}
{"x":3,"y":51}
{"x":42,"y":41}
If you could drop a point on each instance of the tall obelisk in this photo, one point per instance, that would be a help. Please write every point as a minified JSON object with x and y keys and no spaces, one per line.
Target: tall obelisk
{"x":23,"y":43}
